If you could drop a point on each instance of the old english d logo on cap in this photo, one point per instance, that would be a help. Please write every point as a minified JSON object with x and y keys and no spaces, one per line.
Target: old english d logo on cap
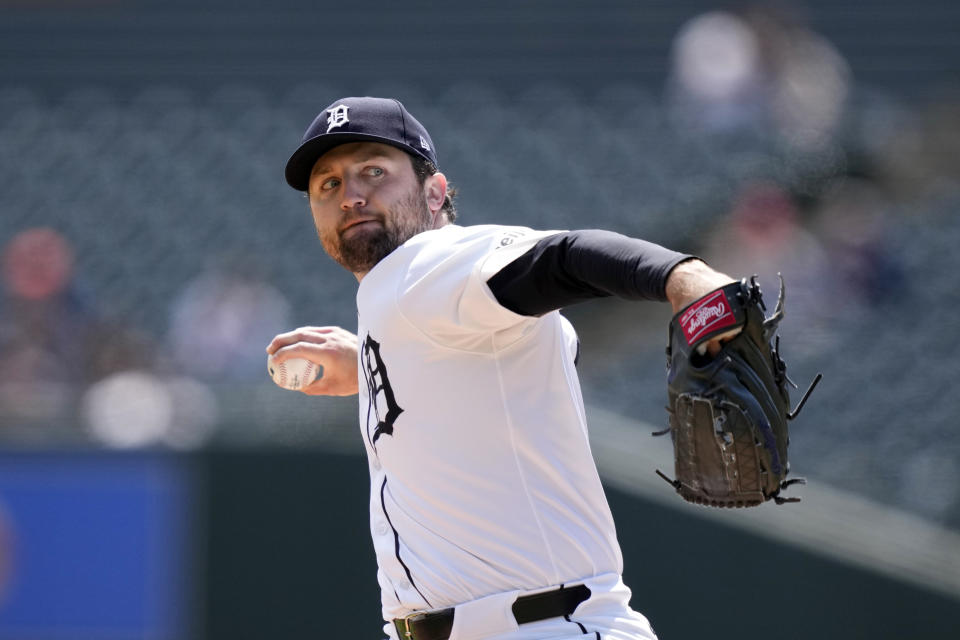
{"x":337,"y":116}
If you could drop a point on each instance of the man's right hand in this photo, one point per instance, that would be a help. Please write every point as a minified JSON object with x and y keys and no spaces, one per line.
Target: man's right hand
{"x":332,"y":348}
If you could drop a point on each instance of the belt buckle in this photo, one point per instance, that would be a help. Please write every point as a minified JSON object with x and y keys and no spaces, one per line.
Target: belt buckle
{"x":403,"y":624}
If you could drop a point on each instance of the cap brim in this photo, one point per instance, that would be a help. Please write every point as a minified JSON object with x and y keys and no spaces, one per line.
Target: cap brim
{"x":300,"y":164}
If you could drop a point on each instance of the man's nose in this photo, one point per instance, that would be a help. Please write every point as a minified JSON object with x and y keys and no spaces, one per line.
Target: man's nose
{"x":354,"y":196}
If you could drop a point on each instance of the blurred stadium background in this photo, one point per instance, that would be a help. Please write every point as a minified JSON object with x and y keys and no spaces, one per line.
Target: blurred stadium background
{"x":155,"y":484}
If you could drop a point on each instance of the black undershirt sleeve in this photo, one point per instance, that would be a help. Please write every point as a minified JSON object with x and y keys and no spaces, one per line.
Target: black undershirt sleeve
{"x":574,"y":266}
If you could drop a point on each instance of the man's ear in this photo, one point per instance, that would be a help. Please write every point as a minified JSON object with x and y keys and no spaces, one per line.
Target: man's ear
{"x":435,"y":191}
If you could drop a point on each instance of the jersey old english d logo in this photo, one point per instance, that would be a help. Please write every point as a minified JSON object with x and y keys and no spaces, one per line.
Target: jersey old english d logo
{"x":382,"y":407}
{"x":337,"y":117}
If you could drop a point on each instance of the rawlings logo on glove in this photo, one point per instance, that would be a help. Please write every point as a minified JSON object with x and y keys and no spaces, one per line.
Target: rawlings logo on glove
{"x":706,"y":315}
{"x":728,"y":413}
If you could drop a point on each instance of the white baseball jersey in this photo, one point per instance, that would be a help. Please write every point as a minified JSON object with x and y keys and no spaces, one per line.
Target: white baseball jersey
{"x":482,"y":479}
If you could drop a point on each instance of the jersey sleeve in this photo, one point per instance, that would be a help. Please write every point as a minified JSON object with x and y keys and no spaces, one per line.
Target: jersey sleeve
{"x":444,"y":293}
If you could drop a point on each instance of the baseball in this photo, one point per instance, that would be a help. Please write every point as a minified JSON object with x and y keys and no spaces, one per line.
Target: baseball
{"x":293,"y":374}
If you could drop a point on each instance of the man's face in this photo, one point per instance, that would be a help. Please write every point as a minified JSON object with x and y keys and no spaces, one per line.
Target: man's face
{"x":366,"y":201}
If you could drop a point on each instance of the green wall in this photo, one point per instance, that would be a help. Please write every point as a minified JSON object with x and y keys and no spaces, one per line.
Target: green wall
{"x":286,"y":555}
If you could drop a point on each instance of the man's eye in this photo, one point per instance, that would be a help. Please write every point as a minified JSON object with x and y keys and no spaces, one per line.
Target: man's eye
{"x":329,"y":183}
{"x":375,"y":172}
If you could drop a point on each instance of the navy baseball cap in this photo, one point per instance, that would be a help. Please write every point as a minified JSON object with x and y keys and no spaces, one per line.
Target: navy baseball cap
{"x":358,"y":120}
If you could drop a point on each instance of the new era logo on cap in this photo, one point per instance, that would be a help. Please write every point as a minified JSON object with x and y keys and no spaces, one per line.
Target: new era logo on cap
{"x":383,"y":120}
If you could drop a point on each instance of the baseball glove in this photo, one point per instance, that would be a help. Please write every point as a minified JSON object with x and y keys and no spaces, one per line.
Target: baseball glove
{"x":728,"y":413}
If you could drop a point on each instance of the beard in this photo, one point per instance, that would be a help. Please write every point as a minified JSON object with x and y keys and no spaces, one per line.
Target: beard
{"x":364,"y":248}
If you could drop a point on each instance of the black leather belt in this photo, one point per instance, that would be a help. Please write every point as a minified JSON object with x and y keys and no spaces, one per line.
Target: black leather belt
{"x":437,"y":625}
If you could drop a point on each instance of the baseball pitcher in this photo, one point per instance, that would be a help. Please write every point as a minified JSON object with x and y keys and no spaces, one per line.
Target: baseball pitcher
{"x":487,"y":514}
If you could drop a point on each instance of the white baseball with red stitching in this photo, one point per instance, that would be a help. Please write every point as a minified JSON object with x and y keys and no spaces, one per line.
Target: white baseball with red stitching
{"x":293,"y":374}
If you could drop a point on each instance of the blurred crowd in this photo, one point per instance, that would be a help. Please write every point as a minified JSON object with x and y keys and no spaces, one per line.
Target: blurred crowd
{"x":762,"y":153}
{"x":62,"y":357}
